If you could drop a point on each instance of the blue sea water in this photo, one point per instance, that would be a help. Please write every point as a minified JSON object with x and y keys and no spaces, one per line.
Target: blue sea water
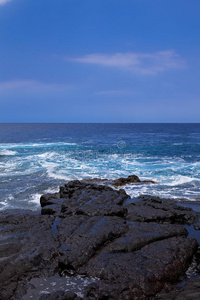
{"x":38,"y":158}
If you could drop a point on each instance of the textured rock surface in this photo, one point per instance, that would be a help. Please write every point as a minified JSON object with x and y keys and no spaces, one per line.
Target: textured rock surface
{"x":154,"y":209}
{"x":83,"y":198}
{"x":27,"y":247}
{"x":122,"y":181}
{"x":130,"y":179}
{"x":191,"y":291}
{"x":86,"y":231}
{"x":59,"y":295}
{"x":137,"y":271}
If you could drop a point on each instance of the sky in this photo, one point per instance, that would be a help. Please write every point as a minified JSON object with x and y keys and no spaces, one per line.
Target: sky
{"x":100,"y":61}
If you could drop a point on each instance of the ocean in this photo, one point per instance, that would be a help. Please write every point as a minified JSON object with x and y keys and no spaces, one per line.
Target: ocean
{"x":38,"y":158}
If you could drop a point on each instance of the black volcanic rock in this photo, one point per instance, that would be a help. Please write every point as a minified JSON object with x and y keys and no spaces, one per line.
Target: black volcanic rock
{"x":154,"y":209}
{"x":126,"y":180}
{"x":190,"y":291}
{"x":130,"y":179}
{"x":80,"y":198}
{"x":85,"y":230}
{"x":60,"y":295}
{"x":139,"y":263}
{"x":27,"y":246}
{"x":46,"y":199}
{"x":88,"y":239}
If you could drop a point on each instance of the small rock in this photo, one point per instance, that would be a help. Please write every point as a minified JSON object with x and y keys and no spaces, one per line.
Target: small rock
{"x":196,"y":227}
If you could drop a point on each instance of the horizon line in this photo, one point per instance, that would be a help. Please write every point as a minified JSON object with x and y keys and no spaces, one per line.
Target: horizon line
{"x":99,"y":122}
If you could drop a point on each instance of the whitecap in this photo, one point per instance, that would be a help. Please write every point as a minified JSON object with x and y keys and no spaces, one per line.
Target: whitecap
{"x":180,"y":179}
{"x":7,"y":152}
{"x":3,"y":205}
{"x":59,"y":176}
{"x":34,"y":145}
{"x":35,"y":198}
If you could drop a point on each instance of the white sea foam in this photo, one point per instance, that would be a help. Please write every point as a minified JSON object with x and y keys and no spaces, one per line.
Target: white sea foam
{"x":35,"y":198}
{"x":34,"y":145}
{"x":59,"y":176}
{"x":48,"y":285}
{"x":63,"y":165}
{"x":47,"y":155}
{"x":7,"y":152}
{"x":51,"y":190}
{"x":180,"y":179}
{"x":19,"y":166}
{"x":3,"y":205}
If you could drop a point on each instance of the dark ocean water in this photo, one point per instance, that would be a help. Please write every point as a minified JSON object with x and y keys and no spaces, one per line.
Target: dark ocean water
{"x":38,"y":158}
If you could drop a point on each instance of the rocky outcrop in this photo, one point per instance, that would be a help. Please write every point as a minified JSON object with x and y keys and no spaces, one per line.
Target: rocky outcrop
{"x":86,"y":233}
{"x":130,"y":179}
{"x":153,"y":209}
{"x":142,"y":273}
{"x":81,"y":198}
{"x":27,"y":246}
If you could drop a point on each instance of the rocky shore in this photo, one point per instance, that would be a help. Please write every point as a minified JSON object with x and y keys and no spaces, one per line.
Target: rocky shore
{"x":91,"y":241}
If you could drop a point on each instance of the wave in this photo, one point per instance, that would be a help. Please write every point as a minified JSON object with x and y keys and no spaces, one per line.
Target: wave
{"x":35,"y":199}
{"x":181,"y":179}
{"x":66,"y":165}
{"x":34,"y":145}
{"x":175,"y":176}
{"x":3,"y":205}
{"x":6,"y":152}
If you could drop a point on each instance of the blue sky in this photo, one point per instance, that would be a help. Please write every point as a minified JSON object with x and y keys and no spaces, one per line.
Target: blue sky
{"x":99,"y":61}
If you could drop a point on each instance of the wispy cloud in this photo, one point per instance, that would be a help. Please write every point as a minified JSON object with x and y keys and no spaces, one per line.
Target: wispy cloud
{"x":141,"y":63}
{"x":116,"y":92}
{"x":2,"y":2}
{"x":32,"y":85}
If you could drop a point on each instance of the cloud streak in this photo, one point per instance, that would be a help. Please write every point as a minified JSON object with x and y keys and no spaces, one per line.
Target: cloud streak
{"x":140,"y":63}
{"x":116,"y":92}
{"x":2,"y":2}
{"x":32,"y":85}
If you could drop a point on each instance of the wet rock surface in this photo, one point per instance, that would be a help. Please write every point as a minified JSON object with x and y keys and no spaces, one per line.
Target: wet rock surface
{"x":87,"y":233}
{"x":153,"y":209}
{"x":130,"y":179}
{"x":190,"y":291}
{"x":83,"y":198}
{"x":27,"y":246}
